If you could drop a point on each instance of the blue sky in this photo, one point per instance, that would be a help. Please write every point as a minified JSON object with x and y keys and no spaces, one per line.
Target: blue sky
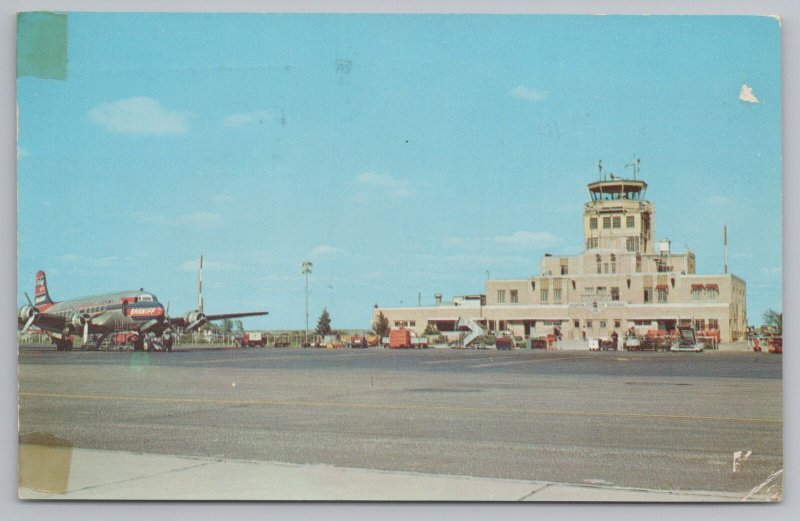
{"x":402,"y":154}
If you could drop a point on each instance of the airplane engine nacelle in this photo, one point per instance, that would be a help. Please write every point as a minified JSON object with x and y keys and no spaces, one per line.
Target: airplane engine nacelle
{"x":78,"y":321}
{"x":27,"y":312}
{"x":194,"y":319}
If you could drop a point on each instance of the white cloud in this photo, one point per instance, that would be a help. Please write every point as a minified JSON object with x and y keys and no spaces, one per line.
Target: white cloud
{"x":244,"y":118}
{"x":89,"y":262}
{"x":194,"y":265}
{"x":529,"y":240}
{"x":324,"y":249}
{"x":746,"y":94}
{"x":384,"y":183}
{"x":140,"y":115}
{"x":224,"y":198}
{"x":521,"y":240}
{"x":528,"y":93}
{"x":718,"y":200}
{"x":200,"y":219}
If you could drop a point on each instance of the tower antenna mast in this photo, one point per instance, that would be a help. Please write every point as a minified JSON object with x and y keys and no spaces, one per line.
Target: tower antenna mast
{"x":635,"y":165}
{"x":600,"y":170}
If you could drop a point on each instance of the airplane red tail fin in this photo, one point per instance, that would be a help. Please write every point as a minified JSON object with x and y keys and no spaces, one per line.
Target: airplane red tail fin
{"x":40,"y":294}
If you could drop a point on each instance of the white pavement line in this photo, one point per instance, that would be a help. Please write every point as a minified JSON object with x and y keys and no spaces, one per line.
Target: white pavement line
{"x":762,"y":485}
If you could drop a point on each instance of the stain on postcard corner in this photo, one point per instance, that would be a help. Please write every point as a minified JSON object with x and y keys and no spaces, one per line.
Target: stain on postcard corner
{"x":42,"y":45}
{"x":44,"y":462}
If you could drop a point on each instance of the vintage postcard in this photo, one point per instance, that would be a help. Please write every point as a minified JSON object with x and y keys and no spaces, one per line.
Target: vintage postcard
{"x":373,"y":257}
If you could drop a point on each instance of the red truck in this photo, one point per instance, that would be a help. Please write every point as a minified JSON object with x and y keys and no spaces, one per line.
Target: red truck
{"x":252,"y":339}
{"x":399,"y":338}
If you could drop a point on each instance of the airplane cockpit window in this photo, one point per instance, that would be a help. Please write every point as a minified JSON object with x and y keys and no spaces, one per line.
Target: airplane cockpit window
{"x":145,"y":298}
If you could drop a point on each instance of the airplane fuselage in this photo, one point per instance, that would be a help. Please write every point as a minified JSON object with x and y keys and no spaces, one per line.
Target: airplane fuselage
{"x":124,"y":310}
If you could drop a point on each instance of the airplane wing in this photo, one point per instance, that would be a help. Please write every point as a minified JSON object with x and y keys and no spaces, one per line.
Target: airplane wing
{"x":195,"y":319}
{"x":236,"y":315}
{"x":45,"y":322}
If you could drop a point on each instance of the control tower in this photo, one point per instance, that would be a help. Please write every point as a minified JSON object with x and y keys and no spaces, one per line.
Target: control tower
{"x":618,"y":218}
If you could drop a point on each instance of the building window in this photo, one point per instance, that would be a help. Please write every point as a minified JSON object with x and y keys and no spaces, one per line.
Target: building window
{"x":614,"y":293}
{"x":413,"y":323}
{"x":605,"y":267}
{"x":564,"y":267}
{"x":629,"y":221}
{"x":662,"y":295}
{"x":638,"y":263}
{"x":588,"y":323}
{"x":700,"y":324}
{"x":589,"y":291}
{"x":543,"y":295}
{"x":617,"y":222}
{"x":712,"y":291}
{"x":514,"y":296}
{"x":576,"y":324}
{"x":648,"y":295}
{"x":593,"y":223}
{"x":501,"y":296}
{"x":592,"y":243}
{"x":713,"y":323}
{"x":606,"y":222}
{"x":602,"y":324}
{"x":617,"y":324}
{"x":601,"y":291}
{"x":557,"y":296}
{"x":697,"y":292}
{"x":632,"y":244}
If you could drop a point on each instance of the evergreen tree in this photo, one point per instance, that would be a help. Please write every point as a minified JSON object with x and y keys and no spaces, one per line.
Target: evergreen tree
{"x":324,"y":323}
{"x":431,"y":329}
{"x":773,"y":318}
{"x":381,"y":325}
{"x":227,"y":325}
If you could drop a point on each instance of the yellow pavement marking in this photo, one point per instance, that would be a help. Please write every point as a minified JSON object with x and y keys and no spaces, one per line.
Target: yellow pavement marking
{"x":512,"y":362}
{"x":266,"y":357}
{"x":394,"y":406}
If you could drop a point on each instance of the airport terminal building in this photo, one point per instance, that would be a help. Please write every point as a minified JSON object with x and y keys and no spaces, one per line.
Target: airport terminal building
{"x":622,"y":280}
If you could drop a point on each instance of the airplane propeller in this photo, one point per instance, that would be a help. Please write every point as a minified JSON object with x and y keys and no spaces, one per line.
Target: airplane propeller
{"x":31,"y":312}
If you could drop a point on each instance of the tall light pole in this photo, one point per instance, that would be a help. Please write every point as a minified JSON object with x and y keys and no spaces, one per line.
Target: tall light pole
{"x":306,"y":271}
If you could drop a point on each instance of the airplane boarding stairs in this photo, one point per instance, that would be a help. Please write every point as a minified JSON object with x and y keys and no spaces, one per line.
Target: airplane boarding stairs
{"x":475,"y":330}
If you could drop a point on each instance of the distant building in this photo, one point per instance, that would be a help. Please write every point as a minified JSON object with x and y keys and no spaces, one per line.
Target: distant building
{"x":622,"y":280}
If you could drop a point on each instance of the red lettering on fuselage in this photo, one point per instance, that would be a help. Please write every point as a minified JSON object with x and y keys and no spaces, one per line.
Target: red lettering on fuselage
{"x":145,"y":312}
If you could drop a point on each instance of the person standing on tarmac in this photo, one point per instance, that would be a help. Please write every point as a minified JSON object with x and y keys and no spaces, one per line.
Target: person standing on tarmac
{"x":614,"y":338}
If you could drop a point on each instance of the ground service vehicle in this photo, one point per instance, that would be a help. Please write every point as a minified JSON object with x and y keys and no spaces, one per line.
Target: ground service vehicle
{"x":358,"y":341}
{"x":399,"y":338}
{"x":504,"y":342}
{"x":253,"y":339}
{"x":687,"y":341}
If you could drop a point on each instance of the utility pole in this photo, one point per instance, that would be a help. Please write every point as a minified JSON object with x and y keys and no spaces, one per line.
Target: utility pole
{"x":725,"y":246}
{"x":306,"y":271}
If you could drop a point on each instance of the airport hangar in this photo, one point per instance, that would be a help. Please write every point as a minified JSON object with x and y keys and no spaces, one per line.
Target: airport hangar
{"x":620,"y":281}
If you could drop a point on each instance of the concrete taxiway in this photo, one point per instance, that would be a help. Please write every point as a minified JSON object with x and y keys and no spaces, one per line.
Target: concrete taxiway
{"x":405,"y":425}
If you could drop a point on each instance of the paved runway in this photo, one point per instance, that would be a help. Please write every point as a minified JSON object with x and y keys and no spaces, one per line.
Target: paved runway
{"x":649,"y":420}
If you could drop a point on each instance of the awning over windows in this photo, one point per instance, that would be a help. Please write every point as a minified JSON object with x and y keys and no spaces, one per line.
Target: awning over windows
{"x":663,"y":286}
{"x":697,"y":286}
{"x":712,"y":286}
